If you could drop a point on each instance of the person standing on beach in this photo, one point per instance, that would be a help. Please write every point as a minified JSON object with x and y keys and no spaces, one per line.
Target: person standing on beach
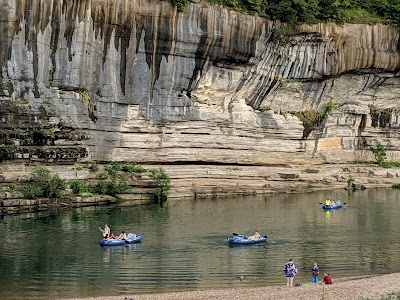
{"x":315,"y":272}
{"x":290,"y":271}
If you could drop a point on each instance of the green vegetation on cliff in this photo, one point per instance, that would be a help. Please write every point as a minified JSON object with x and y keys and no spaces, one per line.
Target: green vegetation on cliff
{"x":315,"y":11}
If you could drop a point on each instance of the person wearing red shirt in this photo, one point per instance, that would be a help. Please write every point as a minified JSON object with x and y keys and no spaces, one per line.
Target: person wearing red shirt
{"x":327,"y":279}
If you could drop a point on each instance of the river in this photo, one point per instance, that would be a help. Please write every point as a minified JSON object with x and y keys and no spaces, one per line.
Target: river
{"x":56,"y":254}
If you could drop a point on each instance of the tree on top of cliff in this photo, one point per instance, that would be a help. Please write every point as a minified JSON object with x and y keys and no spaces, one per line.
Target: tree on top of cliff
{"x":316,"y":11}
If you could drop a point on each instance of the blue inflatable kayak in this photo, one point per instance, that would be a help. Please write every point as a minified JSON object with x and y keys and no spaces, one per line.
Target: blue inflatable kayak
{"x":338,"y":204}
{"x":130,"y":239}
{"x":244,"y":240}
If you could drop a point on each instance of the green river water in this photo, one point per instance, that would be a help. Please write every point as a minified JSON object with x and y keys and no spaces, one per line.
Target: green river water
{"x":57,"y":255}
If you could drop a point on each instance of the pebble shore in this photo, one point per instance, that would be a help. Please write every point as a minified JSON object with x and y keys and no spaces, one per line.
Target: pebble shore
{"x":354,"y":288}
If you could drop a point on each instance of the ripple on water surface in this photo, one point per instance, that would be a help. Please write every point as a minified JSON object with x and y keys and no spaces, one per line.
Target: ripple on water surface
{"x":184,"y":244}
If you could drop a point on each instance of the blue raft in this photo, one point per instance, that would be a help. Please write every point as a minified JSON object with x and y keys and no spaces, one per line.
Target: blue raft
{"x":130,"y":239}
{"x":338,"y":204}
{"x":244,"y":240}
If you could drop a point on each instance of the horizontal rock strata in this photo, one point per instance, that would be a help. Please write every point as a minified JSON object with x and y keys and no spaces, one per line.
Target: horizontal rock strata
{"x":125,"y":80}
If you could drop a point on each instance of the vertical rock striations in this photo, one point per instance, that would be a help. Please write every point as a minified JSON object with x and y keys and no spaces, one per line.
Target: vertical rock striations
{"x":149,"y":84}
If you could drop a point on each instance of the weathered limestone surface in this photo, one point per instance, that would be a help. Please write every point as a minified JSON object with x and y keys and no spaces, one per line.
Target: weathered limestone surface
{"x":127,"y":80}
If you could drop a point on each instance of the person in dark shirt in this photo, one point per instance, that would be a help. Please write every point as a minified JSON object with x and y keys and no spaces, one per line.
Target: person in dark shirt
{"x":327,"y":278}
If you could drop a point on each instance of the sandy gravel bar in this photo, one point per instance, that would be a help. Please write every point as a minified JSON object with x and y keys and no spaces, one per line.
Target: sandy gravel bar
{"x":371,"y":287}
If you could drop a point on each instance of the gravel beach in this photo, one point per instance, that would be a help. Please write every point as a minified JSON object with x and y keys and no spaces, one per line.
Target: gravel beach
{"x":354,"y":288}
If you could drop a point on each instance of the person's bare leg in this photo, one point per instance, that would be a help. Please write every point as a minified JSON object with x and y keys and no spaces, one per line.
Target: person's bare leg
{"x":291,"y":281}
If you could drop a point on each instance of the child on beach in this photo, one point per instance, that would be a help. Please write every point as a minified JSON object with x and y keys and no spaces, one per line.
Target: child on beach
{"x":315,"y":273}
{"x":327,"y":278}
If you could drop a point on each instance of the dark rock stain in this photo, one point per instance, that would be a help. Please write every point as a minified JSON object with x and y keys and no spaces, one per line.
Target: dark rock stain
{"x":68,"y":10}
{"x":32,"y":17}
{"x":55,"y":32}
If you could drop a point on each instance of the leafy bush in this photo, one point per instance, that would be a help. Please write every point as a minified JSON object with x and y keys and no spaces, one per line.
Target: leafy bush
{"x":45,"y":185}
{"x":379,"y":151}
{"x":32,"y":192}
{"x":110,"y":188}
{"x":85,"y":96}
{"x":41,"y":174}
{"x":120,"y":187}
{"x":54,"y":188}
{"x":99,"y":188}
{"x":285,"y":34}
{"x":391,"y":164}
{"x":11,"y":187}
{"x":330,"y":106}
{"x":133,"y":168}
{"x":180,"y":4}
{"x":350,"y":180}
{"x":311,"y":119}
{"x":162,"y":182}
{"x":94,"y":168}
{"x":396,"y":186}
{"x":78,"y":186}
{"x":103,"y":176}
{"x":113,"y":170}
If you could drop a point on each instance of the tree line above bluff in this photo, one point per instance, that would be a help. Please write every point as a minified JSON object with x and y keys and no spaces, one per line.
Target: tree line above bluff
{"x":315,"y":11}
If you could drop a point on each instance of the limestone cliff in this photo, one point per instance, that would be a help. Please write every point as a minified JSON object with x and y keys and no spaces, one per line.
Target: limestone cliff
{"x":135,"y":80}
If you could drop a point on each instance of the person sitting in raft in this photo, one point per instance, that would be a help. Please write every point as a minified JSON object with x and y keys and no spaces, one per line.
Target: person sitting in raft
{"x":333,"y":203}
{"x":255,"y":236}
{"x":327,"y":202}
{"x":122,"y":236}
{"x":106,"y":231}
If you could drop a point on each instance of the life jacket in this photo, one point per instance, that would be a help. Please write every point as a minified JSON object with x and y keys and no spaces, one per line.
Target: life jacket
{"x":315,"y":271}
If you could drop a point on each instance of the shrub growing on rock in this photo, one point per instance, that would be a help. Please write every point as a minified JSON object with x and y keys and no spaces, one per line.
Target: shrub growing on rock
{"x":379,"y":151}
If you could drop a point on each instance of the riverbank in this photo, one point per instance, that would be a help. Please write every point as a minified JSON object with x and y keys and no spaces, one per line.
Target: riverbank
{"x":195,"y":181}
{"x":354,"y":288}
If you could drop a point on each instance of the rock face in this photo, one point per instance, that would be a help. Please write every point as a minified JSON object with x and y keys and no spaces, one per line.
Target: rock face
{"x":134,"y":80}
